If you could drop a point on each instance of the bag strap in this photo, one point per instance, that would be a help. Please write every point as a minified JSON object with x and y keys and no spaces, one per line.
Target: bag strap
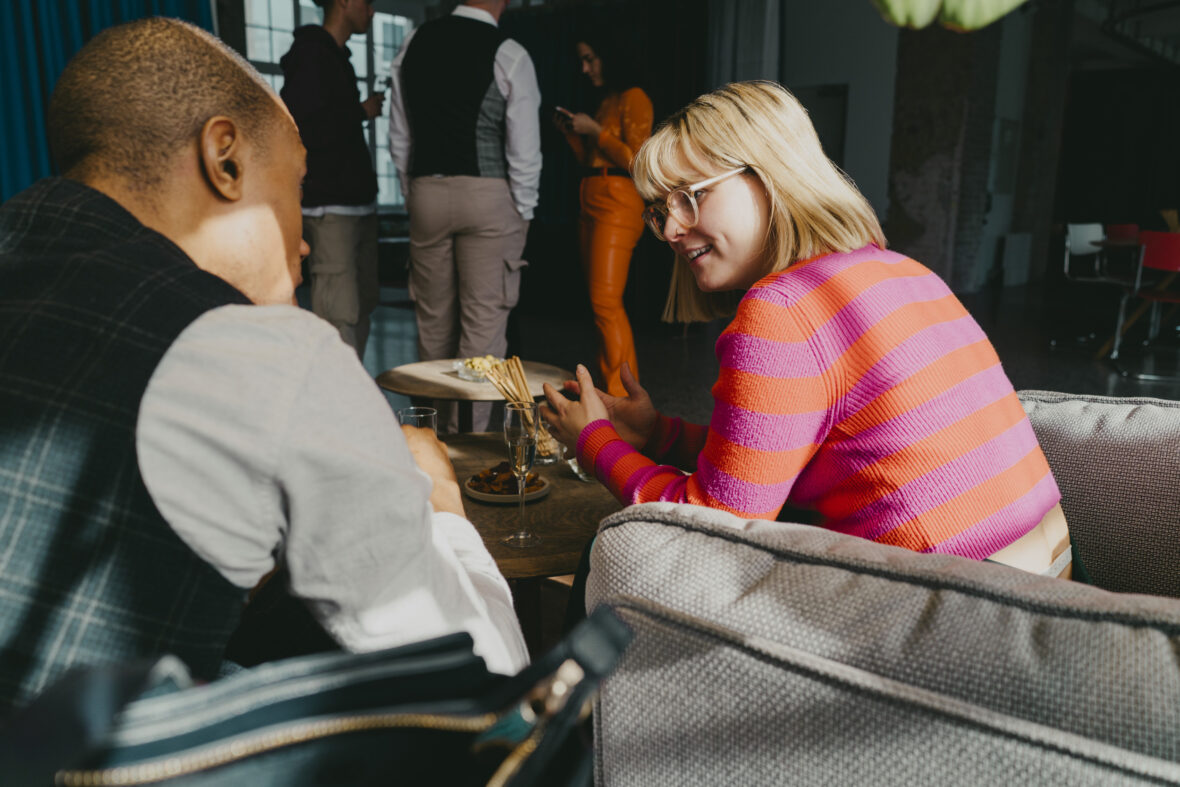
{"x":595,"y":646}
{"x":75,"y":714}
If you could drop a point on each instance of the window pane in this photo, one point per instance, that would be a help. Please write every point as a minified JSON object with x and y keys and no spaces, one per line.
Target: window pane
{"x":282,"y":42}
{"x":282,"y":15}
{"x":360,"y":59}
{"x":258,"y":44}
{"x":310,"y":13}
{"x":258,"y":12}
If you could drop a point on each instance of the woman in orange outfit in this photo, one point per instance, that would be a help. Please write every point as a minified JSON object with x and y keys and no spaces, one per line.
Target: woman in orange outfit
{"x":612,"y":212}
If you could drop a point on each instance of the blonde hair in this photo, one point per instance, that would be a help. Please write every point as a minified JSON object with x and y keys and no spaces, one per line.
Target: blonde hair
{"x":814,"y":207}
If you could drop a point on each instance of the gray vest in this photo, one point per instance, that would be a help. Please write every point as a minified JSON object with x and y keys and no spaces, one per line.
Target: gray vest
{"x":89,"y":570}
{"x":454,"y":108}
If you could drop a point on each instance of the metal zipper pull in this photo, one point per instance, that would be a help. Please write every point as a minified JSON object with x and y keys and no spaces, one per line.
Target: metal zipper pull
{"x":548,"y":698}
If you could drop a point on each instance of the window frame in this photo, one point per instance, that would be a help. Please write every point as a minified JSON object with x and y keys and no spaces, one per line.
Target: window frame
{"x":301,"y":15}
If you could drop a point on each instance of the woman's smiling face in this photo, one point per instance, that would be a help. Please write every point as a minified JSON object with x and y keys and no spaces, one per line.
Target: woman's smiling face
{"x":727,"y":249}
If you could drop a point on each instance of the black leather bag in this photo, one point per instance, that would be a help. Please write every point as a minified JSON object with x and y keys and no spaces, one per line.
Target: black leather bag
{"x":428,"y":713}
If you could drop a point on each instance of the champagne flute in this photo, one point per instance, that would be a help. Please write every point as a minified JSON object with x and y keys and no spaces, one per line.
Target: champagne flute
{"x":520,"y":432}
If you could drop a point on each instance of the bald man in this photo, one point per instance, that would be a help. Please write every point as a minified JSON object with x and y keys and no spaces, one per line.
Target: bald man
{"x":172,"y":427}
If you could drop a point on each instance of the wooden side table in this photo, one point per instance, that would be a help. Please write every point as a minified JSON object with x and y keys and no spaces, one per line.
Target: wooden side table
{"x":566,"y":520}
{"x":439,"y":380}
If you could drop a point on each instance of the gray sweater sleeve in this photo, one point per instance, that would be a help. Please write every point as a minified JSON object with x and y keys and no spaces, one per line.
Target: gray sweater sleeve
{"x":261,"y":437}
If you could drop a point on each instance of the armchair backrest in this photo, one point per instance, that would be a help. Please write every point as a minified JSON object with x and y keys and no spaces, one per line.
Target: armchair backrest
{"x":772,"y":653}
{"x":1117,"y":463}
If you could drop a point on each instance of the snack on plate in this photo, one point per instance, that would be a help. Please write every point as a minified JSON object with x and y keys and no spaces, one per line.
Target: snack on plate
{"x":475,"y":369}
{"x":499,"y":480}
{"x":480,"y":364}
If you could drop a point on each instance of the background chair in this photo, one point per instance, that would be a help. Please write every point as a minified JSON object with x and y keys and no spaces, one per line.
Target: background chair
{"x":1159,"y":251}
{"x":1080,"y":244}
{"x":1087,"y":261}
{"x":784,"y":654}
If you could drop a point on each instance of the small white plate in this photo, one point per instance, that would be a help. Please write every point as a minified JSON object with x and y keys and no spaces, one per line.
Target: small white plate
{"x":510,"y":498}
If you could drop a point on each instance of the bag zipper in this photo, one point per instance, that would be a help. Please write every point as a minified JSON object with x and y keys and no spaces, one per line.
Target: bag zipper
{"x":542,"y":703}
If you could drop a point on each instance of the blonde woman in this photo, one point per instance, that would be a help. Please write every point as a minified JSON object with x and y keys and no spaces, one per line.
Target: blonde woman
{"x":853,"y":382}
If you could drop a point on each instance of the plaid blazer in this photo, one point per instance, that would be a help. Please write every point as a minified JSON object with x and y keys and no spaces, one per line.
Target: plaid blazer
{"x":89,"y":570}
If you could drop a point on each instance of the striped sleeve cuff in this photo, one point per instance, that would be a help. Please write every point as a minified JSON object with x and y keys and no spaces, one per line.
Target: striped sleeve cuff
{"x":595,"y":436}
{"x":612,"y":460}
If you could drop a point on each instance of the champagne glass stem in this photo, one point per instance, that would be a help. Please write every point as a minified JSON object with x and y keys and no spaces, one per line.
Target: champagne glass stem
{"x":520,"y":488}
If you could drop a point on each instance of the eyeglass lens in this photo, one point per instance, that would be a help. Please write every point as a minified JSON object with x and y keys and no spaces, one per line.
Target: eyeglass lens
{"x":680,"y":205}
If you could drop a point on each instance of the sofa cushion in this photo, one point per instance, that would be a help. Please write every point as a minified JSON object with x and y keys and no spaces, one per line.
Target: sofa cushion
{"x":780,"y":653}
{"x":1117,"y":463}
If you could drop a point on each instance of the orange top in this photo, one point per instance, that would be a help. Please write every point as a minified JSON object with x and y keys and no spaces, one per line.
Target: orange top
{"x":626,"y":120}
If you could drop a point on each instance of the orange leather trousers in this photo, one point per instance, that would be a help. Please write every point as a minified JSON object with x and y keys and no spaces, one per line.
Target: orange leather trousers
{"x":611,"y":223}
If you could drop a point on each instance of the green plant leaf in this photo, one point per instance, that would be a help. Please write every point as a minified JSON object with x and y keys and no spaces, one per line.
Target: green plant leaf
{"x":908,"y":13}
{"x":974,"y":14}
{"x":961,"y":15}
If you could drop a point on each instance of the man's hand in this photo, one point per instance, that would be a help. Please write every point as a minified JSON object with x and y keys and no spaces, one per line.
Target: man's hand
{"x":431,"y":456}
{"x":372,"y":105}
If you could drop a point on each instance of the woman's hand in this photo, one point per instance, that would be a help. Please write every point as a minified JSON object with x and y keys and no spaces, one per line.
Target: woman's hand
{"x":632,"y":416}
{"x":567,"y":419}
{"x":581,"y":123}
{"x":561,"y":119}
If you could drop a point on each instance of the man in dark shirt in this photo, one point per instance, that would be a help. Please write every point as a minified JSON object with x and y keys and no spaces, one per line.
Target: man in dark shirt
{"x":340,"y":191}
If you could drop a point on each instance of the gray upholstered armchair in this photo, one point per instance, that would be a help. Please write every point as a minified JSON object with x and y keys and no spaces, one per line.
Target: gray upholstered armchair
{"x":793,"y":655}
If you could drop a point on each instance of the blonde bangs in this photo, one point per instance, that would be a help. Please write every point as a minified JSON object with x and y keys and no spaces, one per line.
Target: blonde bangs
{"x":672,"y":157}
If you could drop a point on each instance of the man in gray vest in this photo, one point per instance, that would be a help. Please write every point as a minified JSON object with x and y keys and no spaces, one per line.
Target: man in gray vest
{"x":174,"y":428}
{"x":464,"y":133}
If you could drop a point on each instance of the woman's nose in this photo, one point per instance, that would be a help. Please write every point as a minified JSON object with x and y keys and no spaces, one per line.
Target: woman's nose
{"x":304,"y":249}
{"x":673,"y":229}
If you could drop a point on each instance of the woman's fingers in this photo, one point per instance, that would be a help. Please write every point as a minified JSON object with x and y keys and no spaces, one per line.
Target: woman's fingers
{"x":553,"y":399}
{"x":630,"y":384}
{"x":585,"y":381}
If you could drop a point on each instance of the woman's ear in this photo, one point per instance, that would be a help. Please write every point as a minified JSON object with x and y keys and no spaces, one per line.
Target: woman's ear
{"x":222,"y":159}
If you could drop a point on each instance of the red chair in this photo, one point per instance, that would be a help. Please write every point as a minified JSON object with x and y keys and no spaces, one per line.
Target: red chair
{"x":1122,"y":232}
{"x":1158,"y":251}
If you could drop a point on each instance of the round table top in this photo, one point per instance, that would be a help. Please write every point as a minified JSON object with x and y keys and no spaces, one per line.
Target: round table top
{"x":439,"y":380}
{"x":566,"y":519}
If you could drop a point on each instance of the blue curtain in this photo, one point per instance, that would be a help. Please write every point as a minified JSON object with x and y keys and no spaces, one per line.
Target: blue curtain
{"x":37,"y":39}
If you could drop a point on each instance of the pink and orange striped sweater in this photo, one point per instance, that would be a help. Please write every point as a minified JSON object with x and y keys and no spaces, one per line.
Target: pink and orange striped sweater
{"x":856,"y":385}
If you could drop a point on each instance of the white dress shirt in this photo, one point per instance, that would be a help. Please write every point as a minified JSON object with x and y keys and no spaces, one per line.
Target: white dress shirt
{"x":261,"y":436}
{"x":516,"y":79}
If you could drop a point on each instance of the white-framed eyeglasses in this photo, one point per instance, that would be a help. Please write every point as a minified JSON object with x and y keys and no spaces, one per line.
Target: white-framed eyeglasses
{"x":681,"y":204}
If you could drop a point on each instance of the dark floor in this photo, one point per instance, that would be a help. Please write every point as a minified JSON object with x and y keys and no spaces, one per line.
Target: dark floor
{"x":1046,"y":338}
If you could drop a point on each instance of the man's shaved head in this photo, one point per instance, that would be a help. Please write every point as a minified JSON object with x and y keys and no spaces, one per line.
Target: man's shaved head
{"x":136,"y":94}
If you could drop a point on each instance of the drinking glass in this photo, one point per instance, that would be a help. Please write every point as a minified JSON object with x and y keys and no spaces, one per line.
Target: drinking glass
{"x":424,"y":417}
{"x":520,"y":433}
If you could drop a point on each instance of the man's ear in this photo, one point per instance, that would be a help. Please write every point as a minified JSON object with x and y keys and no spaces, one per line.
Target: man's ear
{"x":222,"y":157}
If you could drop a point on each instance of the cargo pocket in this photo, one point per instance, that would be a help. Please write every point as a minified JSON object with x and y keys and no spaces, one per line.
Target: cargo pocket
{"x":512,"y":269}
